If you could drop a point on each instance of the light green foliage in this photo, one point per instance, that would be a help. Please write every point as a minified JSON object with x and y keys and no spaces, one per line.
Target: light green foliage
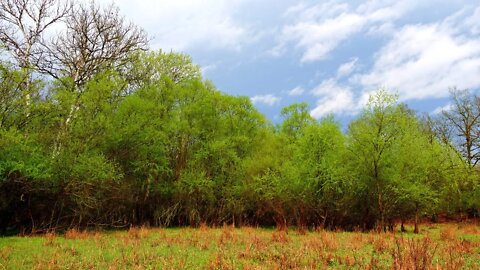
{"x":319,"y":155}
{"x":18,"y":99}
{"x":151,"y":66}
{"x":296,"y":118}
{"x":395,"y":163}
{"x":160,"y":146}
{"x":214,"y":134}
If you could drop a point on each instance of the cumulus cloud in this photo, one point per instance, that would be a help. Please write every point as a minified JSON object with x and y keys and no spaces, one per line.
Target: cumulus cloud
{"x":318,"y":40}
{"x":425,"y":60}
{"x":187,"y":24}
{"x":333,"y":98}
{"x":319,"y":29}
{"x":297,"y":91}
{"x":269,"y":99}
{"x":418,"y":61}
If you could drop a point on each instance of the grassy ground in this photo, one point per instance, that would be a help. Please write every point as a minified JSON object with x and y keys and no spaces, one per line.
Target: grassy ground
{"x":439,"y":246}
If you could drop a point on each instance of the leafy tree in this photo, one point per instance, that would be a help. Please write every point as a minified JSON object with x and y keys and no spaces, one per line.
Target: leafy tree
{"x":392,"y":159}
{"x":151,"y":66}
{"x":23,"y":170}
{"x":319,"y":155}
{"x":13,"y":91}
{"x":296,"y":117}
{"x":119,"y":136}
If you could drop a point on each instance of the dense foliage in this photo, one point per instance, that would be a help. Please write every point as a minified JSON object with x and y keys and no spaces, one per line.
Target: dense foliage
{"x":143,"y":139}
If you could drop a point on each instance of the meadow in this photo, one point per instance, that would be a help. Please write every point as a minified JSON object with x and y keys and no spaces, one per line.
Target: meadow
{"x":438,"y":246}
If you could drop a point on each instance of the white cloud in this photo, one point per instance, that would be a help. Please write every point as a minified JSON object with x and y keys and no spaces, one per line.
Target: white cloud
{"x":207,"y":68}
{"x":187,"y":24}
{"x":292,"y":10}
{"x":277,"y":51}
{"x":441,"y":109}
{"x":319,"y":29}
{"x":385,"y":29}
{"x":419,"y":61}
{"x":337,"y":102}
{"x":472,"y":23}
{"x":327,"y":87}
{"x":297,"y":91}
{"x":269,"y":99}
{"x":347,"y":68}
{"x":317,"y":40}
{"x":334,"y":98}
{"x":424,"y":61}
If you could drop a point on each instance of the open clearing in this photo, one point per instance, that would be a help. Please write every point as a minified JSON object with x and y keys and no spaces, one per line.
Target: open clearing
{"x":439,"y":246}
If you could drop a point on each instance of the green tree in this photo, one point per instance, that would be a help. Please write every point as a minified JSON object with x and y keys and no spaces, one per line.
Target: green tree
{"x":151,"y":66}
{"x":296,"y":117}
{"x":391,"y":158}
{"x":319,"y":157}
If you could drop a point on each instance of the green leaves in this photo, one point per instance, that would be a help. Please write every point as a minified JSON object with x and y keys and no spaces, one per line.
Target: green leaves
{"x":159,"y":146}
{"x":21,"y":157}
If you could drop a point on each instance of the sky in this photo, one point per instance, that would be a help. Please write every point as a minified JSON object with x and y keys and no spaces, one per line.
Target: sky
{"x":330,"y":54}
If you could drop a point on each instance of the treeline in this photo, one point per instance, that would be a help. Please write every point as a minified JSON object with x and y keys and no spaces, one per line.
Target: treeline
{"x":98,"y":131}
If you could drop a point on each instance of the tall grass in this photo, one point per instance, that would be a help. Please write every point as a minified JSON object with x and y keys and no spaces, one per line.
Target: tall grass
{"x":447,"y":246}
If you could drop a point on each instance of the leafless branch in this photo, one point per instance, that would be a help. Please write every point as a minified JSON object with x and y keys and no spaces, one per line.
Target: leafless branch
{"x":23,"y":24}
{"x":95,"y":38}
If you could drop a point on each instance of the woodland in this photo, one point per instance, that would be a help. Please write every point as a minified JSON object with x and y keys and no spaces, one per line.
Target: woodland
{"x":99,"y":131}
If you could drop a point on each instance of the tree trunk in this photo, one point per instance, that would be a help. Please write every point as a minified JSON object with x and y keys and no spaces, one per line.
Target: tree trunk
{"x":415,"y":230}
{"x":382,"y":214}
{"x":64,"y":125}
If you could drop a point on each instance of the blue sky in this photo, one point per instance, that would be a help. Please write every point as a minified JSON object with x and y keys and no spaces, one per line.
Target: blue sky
{"x":330,"y":54}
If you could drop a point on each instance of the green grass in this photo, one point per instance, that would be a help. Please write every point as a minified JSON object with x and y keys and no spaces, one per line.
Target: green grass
{"x":439,"y":246}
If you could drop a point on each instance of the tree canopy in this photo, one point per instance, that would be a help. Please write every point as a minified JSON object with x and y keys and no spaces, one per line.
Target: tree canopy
{"x":113,"y":135}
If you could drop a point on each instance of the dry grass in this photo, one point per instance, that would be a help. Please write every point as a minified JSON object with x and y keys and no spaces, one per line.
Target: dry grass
{"x":138,"y":232}
{"x":441,"y":246}
{"x":470,"y":229}
{"x":447,"y":233}
{"x":77,"y":234}
{"x":413,"y":253}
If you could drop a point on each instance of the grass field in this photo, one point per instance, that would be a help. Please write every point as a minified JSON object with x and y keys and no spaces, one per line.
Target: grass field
{"x":439,"y":246}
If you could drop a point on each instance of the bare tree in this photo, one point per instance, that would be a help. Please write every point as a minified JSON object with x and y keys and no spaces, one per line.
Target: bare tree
{"x":437,"y":129}
{"x":95,"y":38}
{"x":463,"y":122}
{"x":23,"y":24}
